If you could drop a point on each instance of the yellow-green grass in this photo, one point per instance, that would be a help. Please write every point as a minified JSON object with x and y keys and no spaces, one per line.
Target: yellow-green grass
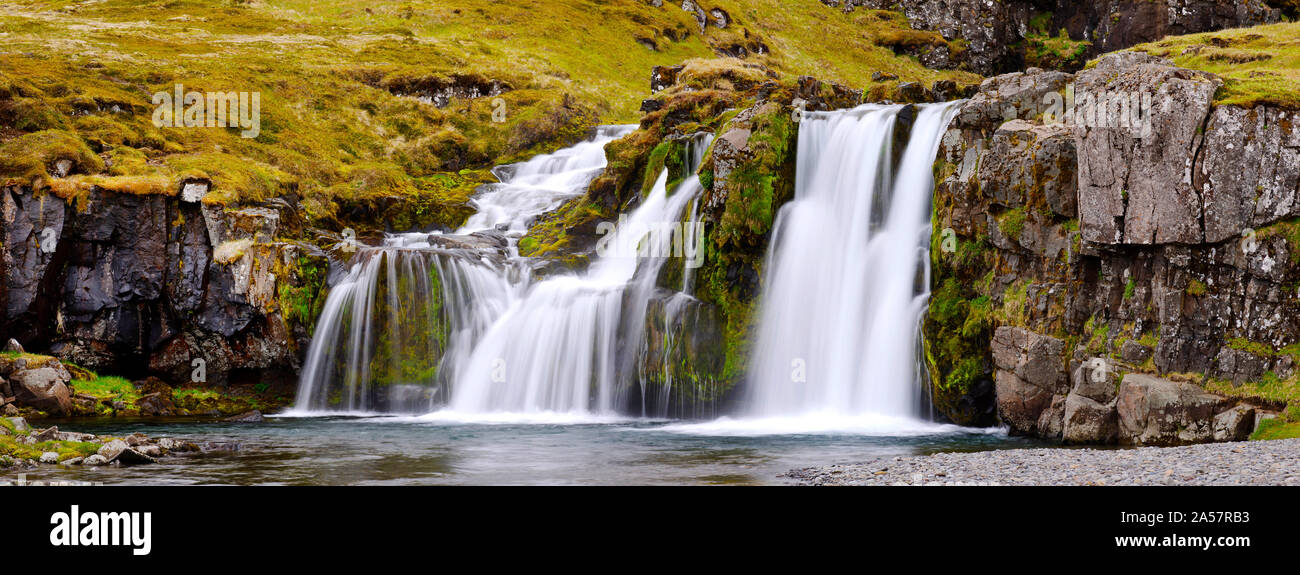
{"x":106,"y":387}
{"x":1276,"y":429}
{"x":1259,"y":65}
{"x":331,"y":129}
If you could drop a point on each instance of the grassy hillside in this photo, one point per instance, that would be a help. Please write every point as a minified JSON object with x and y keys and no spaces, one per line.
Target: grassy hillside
{"x":1259,"y":65}
{"x":338,"y":127}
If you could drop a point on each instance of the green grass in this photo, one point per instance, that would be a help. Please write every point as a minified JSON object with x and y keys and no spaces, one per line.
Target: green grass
{"x":107,"y":387}
{"x":1276,"y":429}
{"x":1260,"y":65}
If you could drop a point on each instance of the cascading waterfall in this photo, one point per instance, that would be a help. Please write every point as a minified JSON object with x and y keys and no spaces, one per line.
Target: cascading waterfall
{"x":846,"y":281}
{"x":418,"y":323}
{"x":570,"y":344}
{"x":393,"y":331}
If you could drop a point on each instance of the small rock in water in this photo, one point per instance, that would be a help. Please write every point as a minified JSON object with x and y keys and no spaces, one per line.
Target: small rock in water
{"x":73,"y":461}
{"x":94,"y":460}
{"x":253,"y":416}
{"x":49,"y":457}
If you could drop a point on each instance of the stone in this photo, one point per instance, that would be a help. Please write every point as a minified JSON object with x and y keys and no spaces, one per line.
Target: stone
{"x":192,"y":191}
{"x":1135,"y":181}
{"x":1155,"y":411}
{"x":1051,"y":422}
{"x":253,"y":416}
{"x":1090,"y":421}
{"x":150,"y":451}
{"x":72,"y":461}
{"x":1235,"y":424}
{"x":19,"y":424}
{"x":9,"y":410}
{"x":49,"y":457}
{"x":1134,"y":352}
{"x":662,"y":77}
{"x":111,"y":449}
{"x":95,"y":460}
{"x":44,"y":389}
{"x":48,"y":434}
{"x":13,"y":346}
{"x":155,"y":404}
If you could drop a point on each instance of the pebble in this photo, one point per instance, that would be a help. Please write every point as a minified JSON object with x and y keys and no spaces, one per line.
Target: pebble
{"x":1243,"y":463}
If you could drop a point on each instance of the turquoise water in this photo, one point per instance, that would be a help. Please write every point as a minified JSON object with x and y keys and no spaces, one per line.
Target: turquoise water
{"x":421,"y":451}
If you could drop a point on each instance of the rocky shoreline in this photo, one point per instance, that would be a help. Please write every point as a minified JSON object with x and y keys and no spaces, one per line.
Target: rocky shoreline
{"x":24,"y":447}
{"x":1239,"y":463}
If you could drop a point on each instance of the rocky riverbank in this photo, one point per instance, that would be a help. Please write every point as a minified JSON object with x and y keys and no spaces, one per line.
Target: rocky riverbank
{"x":1244,"y":463}
{"x":24,"y":447}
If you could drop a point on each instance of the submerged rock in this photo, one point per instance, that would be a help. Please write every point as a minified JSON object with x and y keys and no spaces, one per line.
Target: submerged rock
{"x":253,"y":416}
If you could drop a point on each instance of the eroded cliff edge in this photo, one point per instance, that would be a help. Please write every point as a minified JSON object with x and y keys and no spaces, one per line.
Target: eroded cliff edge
{"x":1116,"y":274}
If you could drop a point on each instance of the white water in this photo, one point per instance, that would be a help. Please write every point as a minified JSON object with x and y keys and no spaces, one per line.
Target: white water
{"x":513,"y":349}
{"x":846,"y":277}
{"x":568,"y":346}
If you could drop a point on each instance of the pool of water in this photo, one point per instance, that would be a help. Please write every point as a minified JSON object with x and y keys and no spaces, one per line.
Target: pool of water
{"x":510,"y":450}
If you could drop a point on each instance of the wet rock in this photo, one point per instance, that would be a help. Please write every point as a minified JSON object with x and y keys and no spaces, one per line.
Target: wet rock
{"x":72,"y":461}
{"x":95,"y":460}
{"x":253,"y":416}
{"x":119,"y":451}
{"x":49,"y":457}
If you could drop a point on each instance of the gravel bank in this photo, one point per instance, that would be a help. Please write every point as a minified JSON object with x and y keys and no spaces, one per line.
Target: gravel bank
{"x":1245,"y":463}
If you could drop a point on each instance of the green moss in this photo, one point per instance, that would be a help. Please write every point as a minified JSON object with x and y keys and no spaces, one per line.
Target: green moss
{"x":31,"y":157}
{"x":756,"y":188}
{"x":1129,"y":288}
{"x":1058,"y":52}
{"x":1196,"y":288}
{"x":1012,"y":222}
{"x":107,"y":387}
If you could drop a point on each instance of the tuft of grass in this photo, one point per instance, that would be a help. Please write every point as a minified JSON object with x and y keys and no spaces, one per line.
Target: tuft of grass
{"x":107,"y":387}
{"x":1276,"y":429}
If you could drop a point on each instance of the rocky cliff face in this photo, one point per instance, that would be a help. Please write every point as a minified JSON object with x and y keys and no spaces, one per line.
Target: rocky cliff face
{"x":151,"y":284}
{"x":1095,"y":230}
{"x":1003,"y":36}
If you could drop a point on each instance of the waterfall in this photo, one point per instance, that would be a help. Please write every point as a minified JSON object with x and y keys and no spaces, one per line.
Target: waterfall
{"x":846,"y":275}
{"x":570,"y":344}
{"x":425,"y":321}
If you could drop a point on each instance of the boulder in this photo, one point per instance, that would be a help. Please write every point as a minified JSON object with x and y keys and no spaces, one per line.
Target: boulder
{"x":1089,"y":421}
{"x":119,"y":451}
{"x":50,"y":457}
{"x":19,"y":424}
{"x":44,"y":389}
{"x":1155,"y":411}
{"x":1051,"y":422}
{"x":13,"y":346}
{"x":155,"y":404}
{"x":253,"y":416}
{"x":1030,"y":373}
{"x":94,"y":460}
{"x":48,"y":434}
{"x":1235,"y":424}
